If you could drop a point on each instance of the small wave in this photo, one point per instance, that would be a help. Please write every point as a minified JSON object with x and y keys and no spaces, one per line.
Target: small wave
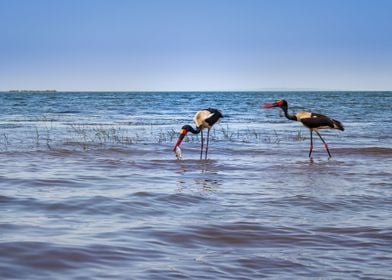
{"x":372,"y":235}
{"x":46,"y":258}
{"x":233,"y":235}
{"x":180,"y":199}
{"x":68,"y":112}
{"x":5,"y":199}
{"x":366,"y":151}
{"x":10,"y":126}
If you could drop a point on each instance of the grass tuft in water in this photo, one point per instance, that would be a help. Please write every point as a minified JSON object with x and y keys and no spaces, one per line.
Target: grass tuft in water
{"x":85,"y":136}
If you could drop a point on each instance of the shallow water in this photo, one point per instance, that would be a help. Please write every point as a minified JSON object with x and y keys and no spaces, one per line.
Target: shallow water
{"x":91,"y":189}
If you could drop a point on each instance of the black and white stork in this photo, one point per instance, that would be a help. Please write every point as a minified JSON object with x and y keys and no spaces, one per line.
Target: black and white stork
{"x":205,"y":118}
{"x":313,"y":121}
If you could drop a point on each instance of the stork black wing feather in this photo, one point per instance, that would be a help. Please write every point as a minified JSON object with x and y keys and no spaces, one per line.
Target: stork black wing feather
{"x":317,"y":121}
{"x":215,"y":117}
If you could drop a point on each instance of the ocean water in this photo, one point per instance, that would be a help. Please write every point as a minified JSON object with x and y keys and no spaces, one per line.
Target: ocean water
{"x":90,"y":187}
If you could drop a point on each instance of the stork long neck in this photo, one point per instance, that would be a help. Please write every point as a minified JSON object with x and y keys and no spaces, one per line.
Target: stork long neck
{"x":191,"y":129}
{"x":184,"y":130}
{"x":287,"y":115}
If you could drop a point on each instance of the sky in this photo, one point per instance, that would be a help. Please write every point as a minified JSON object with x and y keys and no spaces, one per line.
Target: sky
{"x":195,"y":45}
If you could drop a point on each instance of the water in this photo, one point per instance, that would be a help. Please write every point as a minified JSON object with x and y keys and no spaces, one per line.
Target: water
{"x":90,"y":188}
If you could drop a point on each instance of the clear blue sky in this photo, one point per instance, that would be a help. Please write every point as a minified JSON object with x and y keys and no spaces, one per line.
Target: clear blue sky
{"x":195,"y":44}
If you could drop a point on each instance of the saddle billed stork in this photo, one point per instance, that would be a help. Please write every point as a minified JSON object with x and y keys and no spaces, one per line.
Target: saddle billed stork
{"x":205,"y":118}
{"x":313,"y":121}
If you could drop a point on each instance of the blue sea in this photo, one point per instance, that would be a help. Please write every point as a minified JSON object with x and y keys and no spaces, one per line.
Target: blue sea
{"x":91,"y":189}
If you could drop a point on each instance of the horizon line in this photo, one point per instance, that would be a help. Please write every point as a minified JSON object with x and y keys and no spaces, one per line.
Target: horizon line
{"x":173,"y":91}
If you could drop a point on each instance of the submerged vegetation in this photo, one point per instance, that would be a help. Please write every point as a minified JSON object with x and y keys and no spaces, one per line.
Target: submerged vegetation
{"x":49,"y":134}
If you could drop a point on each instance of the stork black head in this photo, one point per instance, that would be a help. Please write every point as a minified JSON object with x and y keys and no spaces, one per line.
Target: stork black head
{"x":279,"y":103}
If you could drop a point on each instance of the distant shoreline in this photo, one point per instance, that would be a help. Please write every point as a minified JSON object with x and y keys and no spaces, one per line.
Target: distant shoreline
{"x":186,"y":91}
{"x":30,"y":90}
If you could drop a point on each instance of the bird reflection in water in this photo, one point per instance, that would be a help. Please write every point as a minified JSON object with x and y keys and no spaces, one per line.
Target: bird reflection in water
{"x":201,"y":184}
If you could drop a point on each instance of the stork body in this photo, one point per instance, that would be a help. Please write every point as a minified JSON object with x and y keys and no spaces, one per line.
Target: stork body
{"x":203,"y":119}
{"x":313,"y":121}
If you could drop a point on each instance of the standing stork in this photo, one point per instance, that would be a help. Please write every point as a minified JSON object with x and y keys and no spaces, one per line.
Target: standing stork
{"x":205,"y":118}
{"x":310,"y":120}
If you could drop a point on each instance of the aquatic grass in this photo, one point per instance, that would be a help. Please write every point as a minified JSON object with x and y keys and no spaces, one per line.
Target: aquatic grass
{"x":46,"y":133}
{"x":297,"y":137}
{"x":167,"y":136}
{"x":50,"y":135}
{"x":92,"y":135}
{"x":227,"y":134}
{"x":275,"y":139}
{"x":5,"y":141}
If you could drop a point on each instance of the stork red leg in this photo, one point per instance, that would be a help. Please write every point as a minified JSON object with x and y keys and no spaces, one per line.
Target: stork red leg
{"x":311,"y":143}
{"x":202,"y":144}
{"x":208,"y":138}
{"x":325,"y":143}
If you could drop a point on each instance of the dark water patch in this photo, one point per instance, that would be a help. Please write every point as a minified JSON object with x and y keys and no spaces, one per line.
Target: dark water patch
{"x":50,"y":259}
{"x":375,"y":151}
{"x":362,"y":236}
{"x":100,"y":206}
{"x":141,"y":204}
{"x":180,"y":199}
{"x":334,"y":203}
{"x":39,"y":184}
{"x":233,"y":235}
{"x":10,"y":126}
{"x":378,"y":202}
{"x":5,"y":199}
{"x":51,"y":183}
{"x":37,"y":119}
{"x":61,"y":152}
{"x":308,"y":201}
{"x":31,"y":229}
{"x":143,"y":194}
{"x":67,"y":112}
{"x":386,"y":185}
{"x":95,"y":205}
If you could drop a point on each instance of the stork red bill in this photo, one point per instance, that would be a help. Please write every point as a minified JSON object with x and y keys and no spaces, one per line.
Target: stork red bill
{"x":268,"y":105}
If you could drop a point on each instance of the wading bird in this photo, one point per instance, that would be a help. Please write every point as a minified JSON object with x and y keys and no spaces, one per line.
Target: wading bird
{"x":205,"y":118}
{"x":310,"y":120}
